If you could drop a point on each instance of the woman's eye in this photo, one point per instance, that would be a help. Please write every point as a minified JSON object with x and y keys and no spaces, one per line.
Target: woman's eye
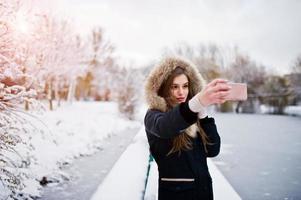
{"x":185,"y":86}
{"x":174,"y":87}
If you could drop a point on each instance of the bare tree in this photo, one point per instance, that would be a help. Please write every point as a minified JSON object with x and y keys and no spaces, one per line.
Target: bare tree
{"x":296,"y":67}
{"x":277,"y":93}
{"x":206,"y":58}
{"x":244,"y":70}
{"x":98,"y":81}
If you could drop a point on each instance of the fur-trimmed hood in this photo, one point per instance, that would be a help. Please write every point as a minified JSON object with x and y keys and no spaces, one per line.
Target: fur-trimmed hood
{"x":161,"y":72}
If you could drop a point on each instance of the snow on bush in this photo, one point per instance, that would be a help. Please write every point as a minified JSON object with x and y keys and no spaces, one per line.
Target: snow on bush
{"x":15,"y":133}
{"x":129,"y":91}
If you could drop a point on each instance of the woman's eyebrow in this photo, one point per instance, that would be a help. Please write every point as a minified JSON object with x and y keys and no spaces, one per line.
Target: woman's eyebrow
{"x":180,"y":84}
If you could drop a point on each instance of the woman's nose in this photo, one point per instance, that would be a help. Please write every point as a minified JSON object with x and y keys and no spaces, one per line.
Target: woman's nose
{"x":181,"y":91}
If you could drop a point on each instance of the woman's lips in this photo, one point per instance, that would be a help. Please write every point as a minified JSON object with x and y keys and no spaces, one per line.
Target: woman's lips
{"x":181,"y":99}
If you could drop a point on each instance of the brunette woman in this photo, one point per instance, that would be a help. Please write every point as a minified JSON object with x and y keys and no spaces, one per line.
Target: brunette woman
{"x":180,"y":134}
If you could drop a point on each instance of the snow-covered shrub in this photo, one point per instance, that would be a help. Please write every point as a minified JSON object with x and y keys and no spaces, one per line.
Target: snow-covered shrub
{"x":15,"y":91}
{"x":15,"y":134}
{"x":128,"y":91}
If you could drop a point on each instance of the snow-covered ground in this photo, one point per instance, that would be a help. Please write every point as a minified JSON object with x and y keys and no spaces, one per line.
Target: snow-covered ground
{"x":127,"y":178}
{"x":88,"y":172}
{"x":293,"y":110}
{"x":72,"y":130}
{"x":290,"y":110}
{"x":79,"y":129}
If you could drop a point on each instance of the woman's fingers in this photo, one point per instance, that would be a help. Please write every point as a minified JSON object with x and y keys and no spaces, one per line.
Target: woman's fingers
{"x":220,"y":95}
{"x":223,"y":94}
{"x":216,"y":81}
{"x":220,"y":87}
{"x":214,"y":92}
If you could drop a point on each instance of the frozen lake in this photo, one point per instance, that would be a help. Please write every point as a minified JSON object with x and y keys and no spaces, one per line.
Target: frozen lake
{"x":261,"y":155}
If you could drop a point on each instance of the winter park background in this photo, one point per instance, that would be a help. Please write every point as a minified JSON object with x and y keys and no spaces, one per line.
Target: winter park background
{"x":71,"y":94}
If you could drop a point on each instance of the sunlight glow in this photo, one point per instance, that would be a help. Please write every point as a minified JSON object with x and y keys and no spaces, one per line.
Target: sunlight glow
{"x":22,"y":25}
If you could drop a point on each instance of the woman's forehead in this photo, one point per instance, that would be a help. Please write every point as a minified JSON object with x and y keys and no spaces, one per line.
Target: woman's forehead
{"x":181,"y":79}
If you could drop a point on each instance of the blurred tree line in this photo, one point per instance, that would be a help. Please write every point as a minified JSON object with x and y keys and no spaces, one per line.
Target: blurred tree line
{"x":46,"y":55}
{"x":266,"y":89}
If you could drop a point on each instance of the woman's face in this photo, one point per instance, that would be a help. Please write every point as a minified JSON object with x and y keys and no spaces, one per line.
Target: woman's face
{"x":179,"y":89}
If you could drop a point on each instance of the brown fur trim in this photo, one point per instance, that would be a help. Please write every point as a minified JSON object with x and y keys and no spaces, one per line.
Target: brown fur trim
{"x":160,"y":74}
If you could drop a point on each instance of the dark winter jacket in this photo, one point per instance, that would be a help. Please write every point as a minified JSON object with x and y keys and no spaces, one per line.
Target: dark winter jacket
{"x":185,"y":175}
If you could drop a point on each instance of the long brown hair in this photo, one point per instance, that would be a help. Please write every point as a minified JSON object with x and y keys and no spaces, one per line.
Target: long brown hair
{"x":182,"y":141}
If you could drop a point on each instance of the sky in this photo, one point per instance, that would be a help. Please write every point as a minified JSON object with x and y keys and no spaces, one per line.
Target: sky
{"x":268,"y":31}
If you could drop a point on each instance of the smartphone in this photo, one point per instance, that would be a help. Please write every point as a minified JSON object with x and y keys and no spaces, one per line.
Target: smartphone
{"x":238,"y":92}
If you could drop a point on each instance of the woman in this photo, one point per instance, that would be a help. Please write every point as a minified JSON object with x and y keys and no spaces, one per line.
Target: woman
{"x":180,"y":134}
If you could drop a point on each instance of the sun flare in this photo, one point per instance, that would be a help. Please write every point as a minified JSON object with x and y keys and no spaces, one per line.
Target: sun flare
{"x":22,"y":24}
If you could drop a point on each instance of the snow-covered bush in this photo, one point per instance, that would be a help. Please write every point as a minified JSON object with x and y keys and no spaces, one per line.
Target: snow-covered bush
{"x":15,"y":135}
{"x":16,"y":91}
{"x":128,"y":91}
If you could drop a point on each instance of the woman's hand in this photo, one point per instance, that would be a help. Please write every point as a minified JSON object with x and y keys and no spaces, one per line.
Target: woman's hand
{"x":214,"y":92}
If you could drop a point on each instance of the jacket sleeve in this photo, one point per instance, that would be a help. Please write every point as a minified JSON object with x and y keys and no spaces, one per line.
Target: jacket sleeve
{"x":209,"y":126}
{"x":171,"y":123}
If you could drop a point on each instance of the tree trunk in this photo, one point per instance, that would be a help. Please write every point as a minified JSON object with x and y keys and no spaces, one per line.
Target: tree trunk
{"x":26,"y":105}
{"x":49,"y":96}
{"x":71,"y":91}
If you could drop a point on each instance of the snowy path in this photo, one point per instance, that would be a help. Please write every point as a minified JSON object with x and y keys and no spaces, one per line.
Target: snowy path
{"x":88,"y":172}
